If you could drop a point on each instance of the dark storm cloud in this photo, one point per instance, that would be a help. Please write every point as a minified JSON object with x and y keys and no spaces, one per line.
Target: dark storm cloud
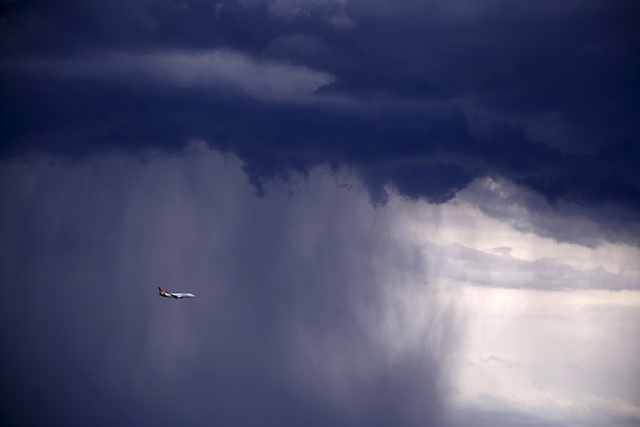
{"x":420,"y":96}
{"x":529,"y":212}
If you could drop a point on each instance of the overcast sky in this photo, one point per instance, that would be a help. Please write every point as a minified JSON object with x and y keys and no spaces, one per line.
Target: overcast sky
{"x":392,"y":213}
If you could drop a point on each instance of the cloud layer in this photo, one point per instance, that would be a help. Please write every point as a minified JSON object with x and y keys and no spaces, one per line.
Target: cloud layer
{"x":294,"y":320}
{"x":421,"y":98}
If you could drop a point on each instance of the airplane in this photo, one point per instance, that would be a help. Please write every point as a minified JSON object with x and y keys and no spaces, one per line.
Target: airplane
{"x":176,"y":295}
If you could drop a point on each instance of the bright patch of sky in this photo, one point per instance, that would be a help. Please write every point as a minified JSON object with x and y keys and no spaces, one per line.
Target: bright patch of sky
{"x":552,"y":330}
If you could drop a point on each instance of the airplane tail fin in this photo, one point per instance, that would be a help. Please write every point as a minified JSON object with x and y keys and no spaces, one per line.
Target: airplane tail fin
{"x":161,"y":291}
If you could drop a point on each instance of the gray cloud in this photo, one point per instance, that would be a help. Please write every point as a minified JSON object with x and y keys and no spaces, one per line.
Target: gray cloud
{"x":529,"y":212}
{"x":485,"y":269}
{"x":226,"y":71}
{"x":284,"y":328}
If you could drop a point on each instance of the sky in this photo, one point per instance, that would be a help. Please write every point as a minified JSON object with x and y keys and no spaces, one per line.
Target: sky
{"x":408,"y":213}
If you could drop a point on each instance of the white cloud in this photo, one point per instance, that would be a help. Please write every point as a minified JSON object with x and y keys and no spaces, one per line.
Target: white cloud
{"x":550,"y":328}
{"x":467,"y":246}
{"x":561,"y":356}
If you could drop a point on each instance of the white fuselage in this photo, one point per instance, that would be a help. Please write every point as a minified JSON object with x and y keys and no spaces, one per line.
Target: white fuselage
{"x":180,"y":295}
